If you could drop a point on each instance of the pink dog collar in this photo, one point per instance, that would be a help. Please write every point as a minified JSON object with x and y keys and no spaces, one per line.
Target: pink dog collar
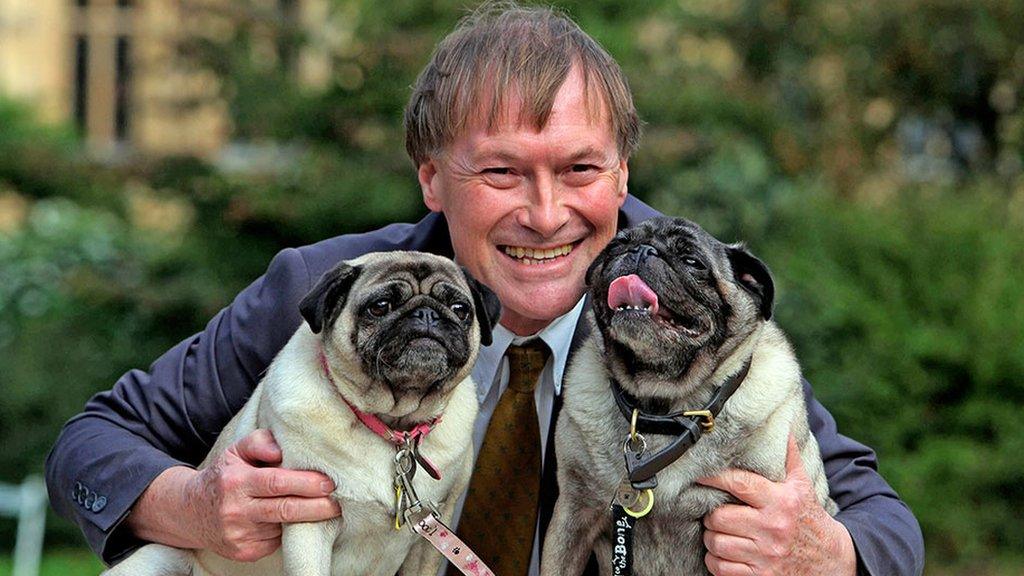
{"x":397,"y":437}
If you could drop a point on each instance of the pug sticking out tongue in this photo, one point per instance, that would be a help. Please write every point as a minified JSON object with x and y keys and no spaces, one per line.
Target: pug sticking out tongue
{"x":630,"y":292}
{"x":677,"y":317}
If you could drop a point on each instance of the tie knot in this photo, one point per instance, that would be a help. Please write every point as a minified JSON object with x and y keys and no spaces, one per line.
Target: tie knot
{"x":525,"y":363}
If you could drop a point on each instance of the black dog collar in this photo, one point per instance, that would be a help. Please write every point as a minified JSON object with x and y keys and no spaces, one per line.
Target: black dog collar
{"x":687,"y":426}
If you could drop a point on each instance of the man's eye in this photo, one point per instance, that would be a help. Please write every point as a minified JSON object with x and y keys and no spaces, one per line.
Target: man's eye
{"x":379,"y":308}
{"x":580,"y":174}
{"x":498,"y":171}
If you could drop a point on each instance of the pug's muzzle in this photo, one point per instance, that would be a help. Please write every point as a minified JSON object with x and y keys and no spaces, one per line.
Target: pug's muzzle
{"x":667,"y":290}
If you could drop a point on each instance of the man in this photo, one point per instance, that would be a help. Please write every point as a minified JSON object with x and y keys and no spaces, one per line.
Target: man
{"x":521,"y":127}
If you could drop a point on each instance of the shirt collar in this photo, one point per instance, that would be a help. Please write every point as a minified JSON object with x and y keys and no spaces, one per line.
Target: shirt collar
{"x":557,"y":335}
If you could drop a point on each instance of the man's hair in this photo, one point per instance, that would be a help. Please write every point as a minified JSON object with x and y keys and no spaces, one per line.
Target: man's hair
{"x":503,"y":50}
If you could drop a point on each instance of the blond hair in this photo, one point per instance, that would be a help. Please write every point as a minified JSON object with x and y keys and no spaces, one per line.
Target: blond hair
{"x":504,"y":50}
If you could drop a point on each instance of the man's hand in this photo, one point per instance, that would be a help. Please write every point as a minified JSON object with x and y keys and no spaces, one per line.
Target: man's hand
{"x":235,"y":506}
{"x":782,"y":529}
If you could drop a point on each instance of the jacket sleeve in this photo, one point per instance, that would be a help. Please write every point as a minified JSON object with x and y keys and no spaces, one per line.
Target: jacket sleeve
{"x":171,"y":414}
{"x":886,"y":536}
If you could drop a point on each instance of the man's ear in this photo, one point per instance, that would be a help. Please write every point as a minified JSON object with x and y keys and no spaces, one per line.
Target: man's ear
{"x":486,"y":305}
{"x":321,"y":306}
{"x":427,"y":175}
{"x":753,"y":276}
{"x":623,"y":181}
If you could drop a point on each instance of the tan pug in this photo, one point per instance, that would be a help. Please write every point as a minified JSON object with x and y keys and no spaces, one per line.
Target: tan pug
{"x":675,"y":315}
{"x":395,"y":335}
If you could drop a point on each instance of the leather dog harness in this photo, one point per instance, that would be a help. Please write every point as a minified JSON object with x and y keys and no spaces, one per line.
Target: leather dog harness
{"x":422,"y":517}
{"x":634,"y":497}
{"x":687,"y":426}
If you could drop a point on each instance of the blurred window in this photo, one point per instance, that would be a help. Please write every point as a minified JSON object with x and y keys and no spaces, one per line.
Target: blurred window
{"x":122,"y":87}
{"x":81,"y":92}
{"x":287,"y":51}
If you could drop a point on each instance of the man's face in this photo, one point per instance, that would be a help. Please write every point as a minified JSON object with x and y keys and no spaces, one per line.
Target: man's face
{"x":529,"y":210}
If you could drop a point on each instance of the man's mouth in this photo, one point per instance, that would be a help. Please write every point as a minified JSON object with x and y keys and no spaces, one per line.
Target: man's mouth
{"x":631,"y":295}
{"x":536,"y":255}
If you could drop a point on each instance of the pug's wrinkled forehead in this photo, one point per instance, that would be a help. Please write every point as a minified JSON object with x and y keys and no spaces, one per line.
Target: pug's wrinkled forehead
{"x":678,"y":233}
{"x":410,"y":272}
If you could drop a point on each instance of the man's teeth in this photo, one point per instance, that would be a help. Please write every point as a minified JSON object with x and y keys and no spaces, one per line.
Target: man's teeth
{"x":531,"y":255}
{"x":624,"y":307}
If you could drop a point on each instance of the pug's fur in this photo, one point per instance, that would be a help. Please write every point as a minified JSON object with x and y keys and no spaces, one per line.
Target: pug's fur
{"x":715,"y":303}
{"x":384,"y":361}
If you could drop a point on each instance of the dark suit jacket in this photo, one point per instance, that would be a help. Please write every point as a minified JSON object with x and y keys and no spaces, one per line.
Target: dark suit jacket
{"x":171,"y":414}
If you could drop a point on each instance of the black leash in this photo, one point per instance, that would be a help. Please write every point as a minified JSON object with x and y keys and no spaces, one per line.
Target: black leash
{"x":635,"y":495}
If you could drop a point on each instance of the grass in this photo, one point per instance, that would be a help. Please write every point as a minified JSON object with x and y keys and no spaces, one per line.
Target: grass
{"x":71,"y":562}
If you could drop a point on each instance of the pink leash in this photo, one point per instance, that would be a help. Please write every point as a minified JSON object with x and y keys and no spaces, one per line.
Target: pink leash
{"x":424,"y":520}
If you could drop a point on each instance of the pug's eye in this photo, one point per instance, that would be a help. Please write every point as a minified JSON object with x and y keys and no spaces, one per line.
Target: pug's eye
{"x":694,"y":263}
{"x":379,"y":308}
{"x":461,"y":310}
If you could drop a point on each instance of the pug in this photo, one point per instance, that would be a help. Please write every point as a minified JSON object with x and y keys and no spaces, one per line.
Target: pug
{"x":679,"y":322}
{"x":393,"y":335}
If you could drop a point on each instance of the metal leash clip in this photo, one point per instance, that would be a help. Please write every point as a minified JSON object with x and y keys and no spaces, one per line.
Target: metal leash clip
{"x":637,"y":502}
{"x":408,"y":507}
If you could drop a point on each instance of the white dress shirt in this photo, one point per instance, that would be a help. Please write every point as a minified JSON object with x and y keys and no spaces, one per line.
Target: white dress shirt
{"x":491,"y":376}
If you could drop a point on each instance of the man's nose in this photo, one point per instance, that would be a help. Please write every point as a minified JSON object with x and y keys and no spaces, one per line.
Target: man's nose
{"x":545,"y":212}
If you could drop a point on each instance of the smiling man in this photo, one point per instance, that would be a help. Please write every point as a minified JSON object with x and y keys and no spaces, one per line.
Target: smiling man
{"x":530,"y":206}
{"x":521,"y":128}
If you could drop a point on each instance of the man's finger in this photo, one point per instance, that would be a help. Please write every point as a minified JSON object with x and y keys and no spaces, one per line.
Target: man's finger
{"x":259,"y":446}
{"x":274,"y":482}
{"x":794,"y":463}
{"x":748,"y":487}
{"x":735,"y":519}
{"x":295,"y":509}
{"x":729,"y":547}
{"x":721,"y":567}
{"x":252,"y":551}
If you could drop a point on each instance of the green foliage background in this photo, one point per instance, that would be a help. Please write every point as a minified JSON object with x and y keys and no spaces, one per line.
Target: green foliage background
{"x":870,"y":152}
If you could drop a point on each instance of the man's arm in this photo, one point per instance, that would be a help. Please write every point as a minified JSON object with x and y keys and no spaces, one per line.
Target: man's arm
{"x":780,"y":528}
{"x":886,"y":535}
{"x":167,"y":419}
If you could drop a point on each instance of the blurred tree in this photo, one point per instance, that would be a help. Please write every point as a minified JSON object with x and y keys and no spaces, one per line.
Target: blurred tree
{"x":871,"y":152}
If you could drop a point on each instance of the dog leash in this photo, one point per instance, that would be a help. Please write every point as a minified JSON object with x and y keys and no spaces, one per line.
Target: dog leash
{"x":634,"y":497}
{"x":423,"y":518}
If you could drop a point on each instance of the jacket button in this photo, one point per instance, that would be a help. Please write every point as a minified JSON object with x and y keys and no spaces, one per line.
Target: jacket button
{"x":99,"y":504}
{"x":89,"y":500}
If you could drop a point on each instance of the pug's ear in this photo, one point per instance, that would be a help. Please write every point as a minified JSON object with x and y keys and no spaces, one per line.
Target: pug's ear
{"x":753,"y":276}
{"x":486,"y":305}
{"x":321,"y":306}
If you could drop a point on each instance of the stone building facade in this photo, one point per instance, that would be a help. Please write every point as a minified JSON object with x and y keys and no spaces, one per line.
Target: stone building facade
{"x":112,"y":68}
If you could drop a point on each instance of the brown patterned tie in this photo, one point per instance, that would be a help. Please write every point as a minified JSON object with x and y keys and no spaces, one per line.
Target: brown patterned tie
{"x":499,"y":516}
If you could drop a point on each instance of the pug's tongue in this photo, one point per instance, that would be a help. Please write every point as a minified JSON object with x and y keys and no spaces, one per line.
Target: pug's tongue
{"x":632,"y":291}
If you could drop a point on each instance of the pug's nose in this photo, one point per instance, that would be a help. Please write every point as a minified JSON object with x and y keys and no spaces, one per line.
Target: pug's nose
{"x":641,"y":252}
{"x":425,"y":317}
